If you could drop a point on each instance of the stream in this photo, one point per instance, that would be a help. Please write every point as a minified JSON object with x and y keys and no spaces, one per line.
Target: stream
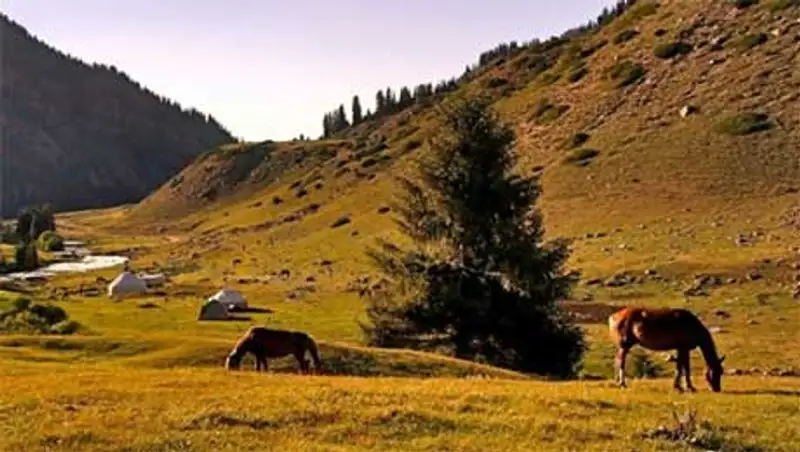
{"x":83,"y":262}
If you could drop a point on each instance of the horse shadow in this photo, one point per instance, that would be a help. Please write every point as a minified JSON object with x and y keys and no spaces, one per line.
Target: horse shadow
{"x":775,"y":392}
{"x":253,"y":310}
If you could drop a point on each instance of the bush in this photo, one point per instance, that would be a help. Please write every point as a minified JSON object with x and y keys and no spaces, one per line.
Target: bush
{"x":625,"y":36}
{"x":50,"y":241}
{"x":779,"y":5}
{"x":750,"y":41}
{"x":412,"y":144}
{"x":672,"y":49}
{"x":546,"y":112}
{"x":744,"y":124}
{"x":581,"y":157}
{"x":496,"y":82}
{"x":626,"y":73}
{"x":341,"y":222}
{"x":25,"y":257}
{"x":578,"y":140}
{"x":30,"y":318}
{"x":577,"y":74}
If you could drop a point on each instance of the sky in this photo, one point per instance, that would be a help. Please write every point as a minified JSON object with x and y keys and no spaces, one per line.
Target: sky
{"x":270,"y":69}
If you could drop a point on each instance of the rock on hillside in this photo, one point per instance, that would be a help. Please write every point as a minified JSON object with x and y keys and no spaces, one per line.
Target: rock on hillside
{"x":80,"y":136}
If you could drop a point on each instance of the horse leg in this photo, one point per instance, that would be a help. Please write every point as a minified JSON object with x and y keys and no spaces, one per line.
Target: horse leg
{"x":678,"y":370}
{"x":686,"y":370}
{"x":301,"y":360}
{"x":619,"y":363}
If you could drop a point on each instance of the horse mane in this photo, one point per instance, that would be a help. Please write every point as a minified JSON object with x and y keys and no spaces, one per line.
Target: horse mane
{"x":706,"y":343}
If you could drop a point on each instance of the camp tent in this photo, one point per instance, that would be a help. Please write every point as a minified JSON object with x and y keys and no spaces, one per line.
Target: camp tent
{"x":213,"y":310}
{"x":126,"y":284}
{"x":230,"y":298}
{"x":154,"y":280}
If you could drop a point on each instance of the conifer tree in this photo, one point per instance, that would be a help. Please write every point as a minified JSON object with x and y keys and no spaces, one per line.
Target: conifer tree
{"x":357,"y":116}
{"x":478,"y":279}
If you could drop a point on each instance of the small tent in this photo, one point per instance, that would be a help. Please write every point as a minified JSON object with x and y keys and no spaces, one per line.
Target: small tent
{"x":126,"y":284}
{"x":232,"y":299}
{"x":213,"y":310}
{"x":154,"y":280}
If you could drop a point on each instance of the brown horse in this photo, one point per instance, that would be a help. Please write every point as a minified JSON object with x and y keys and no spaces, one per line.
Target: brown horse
{"x":268,"y":343}
{"x":665,"y":329}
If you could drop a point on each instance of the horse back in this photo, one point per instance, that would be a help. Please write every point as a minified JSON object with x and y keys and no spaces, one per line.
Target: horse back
{"x":659,"y":328}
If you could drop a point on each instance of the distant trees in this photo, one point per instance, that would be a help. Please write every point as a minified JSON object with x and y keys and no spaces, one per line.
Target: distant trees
{"x":477,"y":282}
{"x":388,"y":102}
{"x":356,"y":110}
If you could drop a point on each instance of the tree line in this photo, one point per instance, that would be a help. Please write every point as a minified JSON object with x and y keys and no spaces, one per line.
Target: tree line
{"x":388,"y":102}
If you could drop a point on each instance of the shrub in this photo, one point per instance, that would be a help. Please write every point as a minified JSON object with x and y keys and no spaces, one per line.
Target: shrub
{"x":25,"y":257}
{"x":548,"y":78}
{"x":750,"y":41}
{"x":779,"y":5}
{"x":672,"y":49}
{"x":577,"y":74}
{"x":744,"y":124}
{"x":50,"y":241}
{"x":496,"y":82}
{"x":578,"y":140}
{"x":625,"y":36}
{"x":742,"y":4}
{"x":581,"y":157}
{"x":412,"y":144}
{"x":30,"y":318}
{"x":626,"y":73}
{"x":546,"y":112}
{"x":341,"y":222}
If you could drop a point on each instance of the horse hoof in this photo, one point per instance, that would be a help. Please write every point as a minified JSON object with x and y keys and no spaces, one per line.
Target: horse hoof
{"x":678,"y":389}
{"x":691,"y":389}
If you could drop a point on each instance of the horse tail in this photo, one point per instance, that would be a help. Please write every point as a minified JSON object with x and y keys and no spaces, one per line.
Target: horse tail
{"x":311,"y":345}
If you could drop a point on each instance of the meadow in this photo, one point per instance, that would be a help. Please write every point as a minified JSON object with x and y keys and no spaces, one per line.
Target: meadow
{"x":661,"y":210}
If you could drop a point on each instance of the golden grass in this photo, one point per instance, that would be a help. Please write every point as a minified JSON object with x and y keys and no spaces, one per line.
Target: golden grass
{"x":180,"y":409}
{"x":665,"y":194}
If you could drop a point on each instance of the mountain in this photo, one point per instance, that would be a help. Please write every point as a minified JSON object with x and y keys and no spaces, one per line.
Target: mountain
{"x":655,"y":109}
{"x":79,"y":136}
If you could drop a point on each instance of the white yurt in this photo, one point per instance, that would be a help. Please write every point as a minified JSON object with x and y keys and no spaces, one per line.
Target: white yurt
{"x":126,"y":284}
{"x":153,"y":280}
{"x":230,"y":298}
{"x":213,"y":310}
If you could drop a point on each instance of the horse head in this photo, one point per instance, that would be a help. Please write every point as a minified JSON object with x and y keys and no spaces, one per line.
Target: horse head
{"x":234,"y":359}
{"x":714,"y":373}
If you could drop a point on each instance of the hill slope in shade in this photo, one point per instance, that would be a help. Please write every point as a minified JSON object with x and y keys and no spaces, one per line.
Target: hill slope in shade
{"x":81,"y":136}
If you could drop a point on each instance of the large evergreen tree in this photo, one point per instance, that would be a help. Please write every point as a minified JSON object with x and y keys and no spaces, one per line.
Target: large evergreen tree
{"x":478,"y":282}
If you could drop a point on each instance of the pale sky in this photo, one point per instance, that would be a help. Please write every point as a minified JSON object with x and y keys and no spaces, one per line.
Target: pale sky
{"x":269,"y":69}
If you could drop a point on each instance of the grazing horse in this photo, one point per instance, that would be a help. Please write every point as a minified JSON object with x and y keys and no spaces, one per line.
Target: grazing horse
{"x":665,"y":329}
{"x":268,"y":343}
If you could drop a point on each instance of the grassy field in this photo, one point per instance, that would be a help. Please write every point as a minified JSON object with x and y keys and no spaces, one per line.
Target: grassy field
{"x":209,"y":410}
{"x":669,"y":212}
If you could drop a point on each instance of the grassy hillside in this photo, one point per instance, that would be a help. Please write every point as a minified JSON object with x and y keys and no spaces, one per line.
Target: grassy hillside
{"x":677,"y":182}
